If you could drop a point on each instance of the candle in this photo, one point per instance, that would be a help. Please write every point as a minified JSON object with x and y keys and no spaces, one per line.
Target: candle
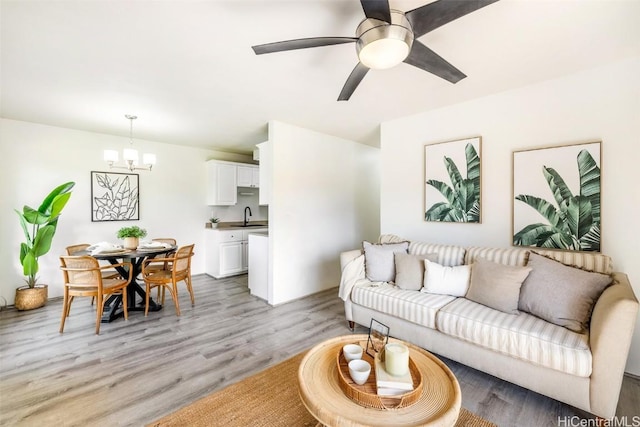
{"x":396,"y":359}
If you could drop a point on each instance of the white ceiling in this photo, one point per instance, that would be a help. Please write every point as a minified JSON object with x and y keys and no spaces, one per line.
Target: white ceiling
{"x":186,"y":68}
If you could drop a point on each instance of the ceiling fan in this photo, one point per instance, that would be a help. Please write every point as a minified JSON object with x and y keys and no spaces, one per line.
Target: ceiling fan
{"x":387,"y":37}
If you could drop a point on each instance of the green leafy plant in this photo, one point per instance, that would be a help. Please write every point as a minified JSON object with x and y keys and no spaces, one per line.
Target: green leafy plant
{"x":575,"y":223}
{"x":214,"y":220}
{"x":463,"y":196}
{"x":39,"y":227}
{"x":133,"y":231}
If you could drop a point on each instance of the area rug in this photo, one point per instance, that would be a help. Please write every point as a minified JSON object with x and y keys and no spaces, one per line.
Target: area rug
{"x":267,"y":399}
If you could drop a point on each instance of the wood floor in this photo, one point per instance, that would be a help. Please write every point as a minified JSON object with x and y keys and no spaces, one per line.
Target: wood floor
{"x":140,"y":369}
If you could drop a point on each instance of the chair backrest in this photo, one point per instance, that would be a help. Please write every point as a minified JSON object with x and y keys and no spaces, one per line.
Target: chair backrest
{"x":165,"y":240}
{"x":81,"y":270}
{"x":182,"y":259}
{"x":76,"y":248}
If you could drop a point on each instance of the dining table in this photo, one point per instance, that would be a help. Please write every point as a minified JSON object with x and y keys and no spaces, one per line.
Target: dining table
{"x":136,"y":257}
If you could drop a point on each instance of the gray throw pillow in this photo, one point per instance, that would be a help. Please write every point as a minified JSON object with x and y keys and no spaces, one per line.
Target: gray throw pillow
{"x":379,"y":263}
{"x":496,"y":285}
{"x":561,"y":294}
{"x":410,"y":270}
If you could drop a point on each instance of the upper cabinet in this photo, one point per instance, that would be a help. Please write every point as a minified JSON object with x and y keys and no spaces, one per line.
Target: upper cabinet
{"x":224,"y":178}
{"x":221,"y":183}
{"x":248,"y":176}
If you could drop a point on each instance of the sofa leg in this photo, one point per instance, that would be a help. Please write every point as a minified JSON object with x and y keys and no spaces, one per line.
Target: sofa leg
{"x":352,"y":325}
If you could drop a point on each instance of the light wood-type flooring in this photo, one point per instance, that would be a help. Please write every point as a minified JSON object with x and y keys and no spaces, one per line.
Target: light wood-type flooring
{"x":138,"y":370}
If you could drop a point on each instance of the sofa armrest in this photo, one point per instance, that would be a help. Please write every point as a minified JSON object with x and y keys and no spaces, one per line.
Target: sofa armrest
{"x":348,"y":256}
{"x":612,"y":323}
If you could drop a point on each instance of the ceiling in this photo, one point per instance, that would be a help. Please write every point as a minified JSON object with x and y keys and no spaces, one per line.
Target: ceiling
{"x":186,"y":68}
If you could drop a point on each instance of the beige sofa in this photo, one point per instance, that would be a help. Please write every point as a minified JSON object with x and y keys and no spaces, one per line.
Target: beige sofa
{"x":583,"y":369}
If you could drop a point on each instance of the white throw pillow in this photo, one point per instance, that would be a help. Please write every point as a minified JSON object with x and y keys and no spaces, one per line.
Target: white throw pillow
{"x":442,"y":280}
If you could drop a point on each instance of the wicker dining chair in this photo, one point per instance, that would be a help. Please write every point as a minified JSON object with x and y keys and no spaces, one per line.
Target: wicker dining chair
{"x":107,"y":274}
{"x":162,"y":265}
{"x":83,"y":278}
{"x":180,"y":270}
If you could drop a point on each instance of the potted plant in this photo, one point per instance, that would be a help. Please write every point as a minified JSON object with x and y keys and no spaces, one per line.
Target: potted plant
{"x":39,"y":227}
{"x":214,"y":222}
{"x":131,"y":236}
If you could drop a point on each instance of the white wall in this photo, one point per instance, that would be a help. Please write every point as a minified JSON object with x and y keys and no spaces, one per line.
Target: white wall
{"x":601,"y":104}
{"x":36,"y":158}
{"x":325,"y":199}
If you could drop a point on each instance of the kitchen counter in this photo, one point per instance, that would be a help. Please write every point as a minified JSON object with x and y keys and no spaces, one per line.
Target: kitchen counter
{"x":238,"y":225}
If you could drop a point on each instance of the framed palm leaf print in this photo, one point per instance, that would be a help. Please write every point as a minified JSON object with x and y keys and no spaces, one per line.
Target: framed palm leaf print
{"x":452,"y":181}
{"x":556,"y":197}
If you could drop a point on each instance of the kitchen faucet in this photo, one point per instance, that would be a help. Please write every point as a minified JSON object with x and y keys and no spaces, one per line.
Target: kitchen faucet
{"x":245,"y":215}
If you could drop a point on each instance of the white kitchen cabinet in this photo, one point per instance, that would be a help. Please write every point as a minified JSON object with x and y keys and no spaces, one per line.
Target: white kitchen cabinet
{"x":231,"y":258}
{"x":245,"y":255}
{"x":227,"y":251}
{"x":248,"y":176}
{"x":222,"y":183}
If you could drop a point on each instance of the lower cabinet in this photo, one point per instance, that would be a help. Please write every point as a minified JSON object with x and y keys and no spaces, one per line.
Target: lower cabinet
{"x":227,"y":252}
{"x":231,"y":258}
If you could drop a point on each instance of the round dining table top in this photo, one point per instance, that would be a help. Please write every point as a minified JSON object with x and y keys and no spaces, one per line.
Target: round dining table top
{"x":129,"y":253}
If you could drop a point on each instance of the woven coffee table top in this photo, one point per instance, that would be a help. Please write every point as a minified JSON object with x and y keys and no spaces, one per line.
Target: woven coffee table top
{"x":320,"y":391}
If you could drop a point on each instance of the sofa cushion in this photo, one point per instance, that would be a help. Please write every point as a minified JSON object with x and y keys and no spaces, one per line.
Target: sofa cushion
{"x":496,"y":285}
{"x":561,"y":294}
{"x":525,"y":336}
{"x":506,"y":256}
{"x":598,"y":263}
{"x":412,"y":306}
{"x":446,"y":280}
{"x":410,"y":270}
{"x":448,"y":255}
{"x":379,"y":260}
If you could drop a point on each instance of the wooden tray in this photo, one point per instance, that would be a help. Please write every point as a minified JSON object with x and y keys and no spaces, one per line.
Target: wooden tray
{"x":366,"y":394}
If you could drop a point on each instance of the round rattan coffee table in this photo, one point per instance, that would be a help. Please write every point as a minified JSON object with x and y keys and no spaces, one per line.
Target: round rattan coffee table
{"x":321,"y":394}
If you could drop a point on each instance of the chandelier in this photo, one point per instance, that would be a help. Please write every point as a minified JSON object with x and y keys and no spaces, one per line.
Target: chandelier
{"x":129,"y":155}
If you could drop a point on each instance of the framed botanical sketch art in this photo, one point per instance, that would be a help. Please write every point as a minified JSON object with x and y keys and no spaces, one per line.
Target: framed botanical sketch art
{"x":556,"y":197}
{"x":452,"y":181}
{"x":115,"y":196}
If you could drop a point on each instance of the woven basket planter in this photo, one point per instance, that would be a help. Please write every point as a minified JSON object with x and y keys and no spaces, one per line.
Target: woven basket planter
{"x":31,"y":298}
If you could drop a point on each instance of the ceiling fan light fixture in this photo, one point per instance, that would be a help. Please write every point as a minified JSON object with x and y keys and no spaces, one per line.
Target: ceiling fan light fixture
{"x":382,"y":45}
{"x":384,"y":53}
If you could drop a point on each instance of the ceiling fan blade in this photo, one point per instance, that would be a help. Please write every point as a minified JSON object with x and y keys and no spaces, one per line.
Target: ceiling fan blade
{"x":377,"y":9}
{"x":300,"y":44}
{"x":353,"y":81}
{"x":433,"y":15}
{"x":424,"y":58}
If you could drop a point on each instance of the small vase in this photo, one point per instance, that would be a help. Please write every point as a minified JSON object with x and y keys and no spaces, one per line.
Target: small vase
{"x":131,"y":242}
{"x":30,"y":298}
